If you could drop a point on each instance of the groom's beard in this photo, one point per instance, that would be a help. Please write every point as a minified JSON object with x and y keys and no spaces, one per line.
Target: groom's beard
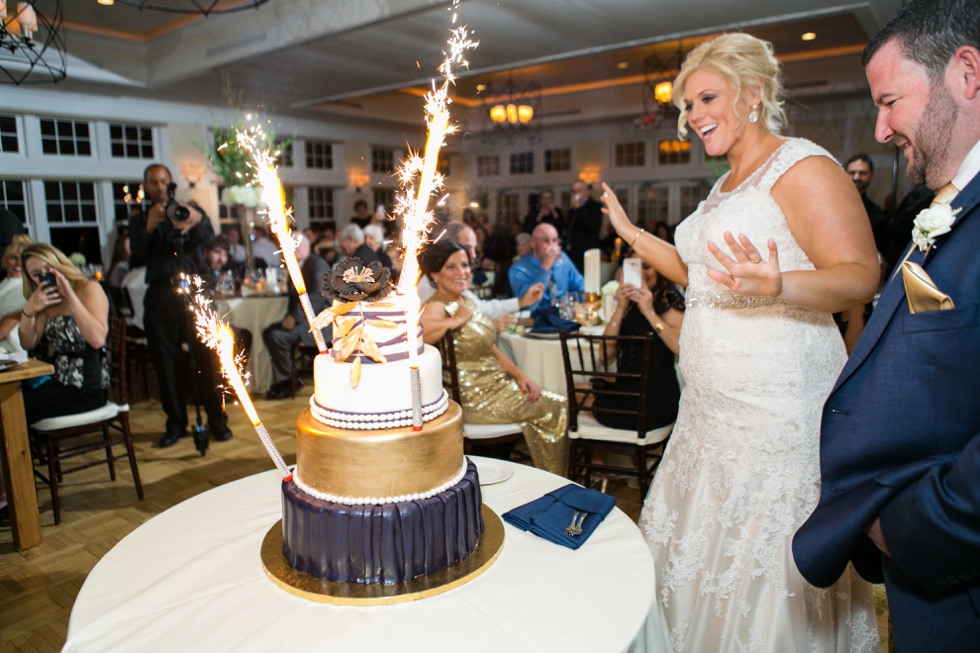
{"x":933,"y":137}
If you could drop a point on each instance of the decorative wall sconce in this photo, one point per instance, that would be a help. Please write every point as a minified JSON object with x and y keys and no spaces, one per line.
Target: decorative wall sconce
{"x":590,"y":176}
{"x":192,"y":173}
{"x":359,"y":179}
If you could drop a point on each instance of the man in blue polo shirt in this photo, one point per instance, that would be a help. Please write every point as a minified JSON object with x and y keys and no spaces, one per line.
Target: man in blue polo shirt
{"x":548,"y":265}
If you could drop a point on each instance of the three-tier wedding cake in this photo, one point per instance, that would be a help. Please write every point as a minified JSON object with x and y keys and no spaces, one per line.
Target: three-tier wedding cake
{"x":374,"y":500}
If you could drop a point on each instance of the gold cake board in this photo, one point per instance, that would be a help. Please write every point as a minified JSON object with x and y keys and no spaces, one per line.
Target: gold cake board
{"x":324,"y":591}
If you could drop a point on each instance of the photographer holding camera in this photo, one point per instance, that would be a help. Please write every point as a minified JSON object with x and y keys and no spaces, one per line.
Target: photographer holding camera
{"x":168,"y":239}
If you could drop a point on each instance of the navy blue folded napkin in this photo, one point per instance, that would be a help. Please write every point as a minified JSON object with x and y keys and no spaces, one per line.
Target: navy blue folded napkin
{"x":548,"y":320}
{"x":549,"y":516}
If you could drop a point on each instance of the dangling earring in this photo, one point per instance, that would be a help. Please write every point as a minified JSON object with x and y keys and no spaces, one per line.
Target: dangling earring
{"x":754,"y":116}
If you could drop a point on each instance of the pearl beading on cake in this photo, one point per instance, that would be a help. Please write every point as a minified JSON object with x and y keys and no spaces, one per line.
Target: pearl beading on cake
{"x":357,"y":501}
{"x":367,"y":421}
{"x":725,"y":299}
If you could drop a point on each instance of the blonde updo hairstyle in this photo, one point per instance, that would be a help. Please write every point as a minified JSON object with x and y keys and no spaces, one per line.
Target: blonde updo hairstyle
{"x":749,"y":65}
{"x":16,"y":246}
{"x":56,"y":259}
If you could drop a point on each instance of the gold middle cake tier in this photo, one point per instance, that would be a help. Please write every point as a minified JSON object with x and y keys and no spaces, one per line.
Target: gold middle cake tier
{"x":379,"y":463}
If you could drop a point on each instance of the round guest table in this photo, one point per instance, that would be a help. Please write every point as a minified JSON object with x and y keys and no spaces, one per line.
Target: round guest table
{"x":191,"y":579}
{"x":541,"y":359}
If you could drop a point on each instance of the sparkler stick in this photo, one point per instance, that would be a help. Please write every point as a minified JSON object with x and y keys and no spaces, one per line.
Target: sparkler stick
{"x":268,"y":180}
{"x":217,"y":335}
{"x":413,"y":205}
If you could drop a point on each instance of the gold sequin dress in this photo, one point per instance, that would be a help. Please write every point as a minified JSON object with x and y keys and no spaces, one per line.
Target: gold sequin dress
{"x":491,"y":396}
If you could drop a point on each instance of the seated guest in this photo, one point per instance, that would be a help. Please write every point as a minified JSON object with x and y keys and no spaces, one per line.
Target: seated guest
{"x":491,"y":308}
{"x":352,"y":243}
{"x":265,"y":253}
{"x":217,"y":252}
{"x":547,"y":265}
{"x":655,"y":308}
{"x":72,"y":314}
{"x":120,"y":261}
{"x":12,"y":294}
{"x":216,"y":256}
{"x":493,"y":389}
{"x":280,"y":337}
{"x":236,"y":251}
{"x":374,"y":237}
{"x":522,"y":245}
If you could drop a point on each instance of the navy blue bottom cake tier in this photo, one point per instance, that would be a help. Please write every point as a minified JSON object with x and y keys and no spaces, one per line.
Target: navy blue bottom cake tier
{"x":385,"y":544}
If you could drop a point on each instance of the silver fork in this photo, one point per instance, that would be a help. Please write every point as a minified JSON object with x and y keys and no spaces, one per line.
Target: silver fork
{"x":571,"y":527}
{"x":576,"y":529}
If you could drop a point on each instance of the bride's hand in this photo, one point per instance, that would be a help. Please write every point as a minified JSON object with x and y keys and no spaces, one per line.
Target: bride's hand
{"x":747,"y":274}
{"x":617,"y":216}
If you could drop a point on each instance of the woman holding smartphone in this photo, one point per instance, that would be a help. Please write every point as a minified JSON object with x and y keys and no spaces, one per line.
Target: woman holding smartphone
{"x":73,"y":314}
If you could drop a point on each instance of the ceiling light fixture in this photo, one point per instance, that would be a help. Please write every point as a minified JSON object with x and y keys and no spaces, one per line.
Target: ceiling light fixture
{"x":809,"y":36}
{"x":205,"y":7}
{"x":658,"y":89}
{"x":480,"y":88}
{"x":622,"y":65}
{"x":511,"y":109}
{"x":107,"y":3}
{"x":35,"y":41}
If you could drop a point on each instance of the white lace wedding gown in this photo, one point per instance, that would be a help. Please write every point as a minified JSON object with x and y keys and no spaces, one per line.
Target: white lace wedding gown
{"x":742,"y":470}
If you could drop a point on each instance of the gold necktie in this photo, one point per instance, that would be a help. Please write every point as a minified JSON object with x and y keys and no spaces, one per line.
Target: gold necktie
{"x":945,"y":195}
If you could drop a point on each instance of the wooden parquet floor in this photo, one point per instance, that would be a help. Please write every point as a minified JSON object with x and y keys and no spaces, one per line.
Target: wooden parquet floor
{"x":39,"y":586}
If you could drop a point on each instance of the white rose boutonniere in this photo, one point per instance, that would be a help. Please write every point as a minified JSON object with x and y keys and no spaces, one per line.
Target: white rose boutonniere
{"x":931,"y":223}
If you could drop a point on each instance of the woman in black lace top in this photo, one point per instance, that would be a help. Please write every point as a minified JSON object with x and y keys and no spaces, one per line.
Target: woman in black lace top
{"x":72,"y":314}
{"x":655,"y":308}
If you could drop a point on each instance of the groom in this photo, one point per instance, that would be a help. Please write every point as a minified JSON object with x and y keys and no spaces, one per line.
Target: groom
{"x":900,"y":439}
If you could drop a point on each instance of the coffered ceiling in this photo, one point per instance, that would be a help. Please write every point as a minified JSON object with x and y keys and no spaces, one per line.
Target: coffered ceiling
{"x":360,"y":59}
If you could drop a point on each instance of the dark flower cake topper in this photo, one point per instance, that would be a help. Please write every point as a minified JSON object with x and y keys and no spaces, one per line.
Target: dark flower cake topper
{"x":355,"y":282}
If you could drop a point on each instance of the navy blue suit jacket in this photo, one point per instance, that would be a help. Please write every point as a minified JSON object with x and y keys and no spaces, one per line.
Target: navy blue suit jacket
{"x":900,"y":435}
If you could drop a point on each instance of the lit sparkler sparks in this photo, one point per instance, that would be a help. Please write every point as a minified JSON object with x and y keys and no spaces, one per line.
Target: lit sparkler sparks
{"x":263,"y":162}
{"x":413,"y":204}
{"x":217,"y":335}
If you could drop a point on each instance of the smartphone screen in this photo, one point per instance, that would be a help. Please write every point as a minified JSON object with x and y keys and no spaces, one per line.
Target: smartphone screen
{"x":633,"y":272}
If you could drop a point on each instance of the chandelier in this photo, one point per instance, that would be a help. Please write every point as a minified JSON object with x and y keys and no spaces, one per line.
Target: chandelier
{"x":658,"y":87}
{"x":205,"y":7}
{"x":32,"y":43}
{"x":511,"y":108}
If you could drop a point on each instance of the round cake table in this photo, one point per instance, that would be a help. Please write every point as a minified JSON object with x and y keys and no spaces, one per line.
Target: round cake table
{"x":191,"y":579}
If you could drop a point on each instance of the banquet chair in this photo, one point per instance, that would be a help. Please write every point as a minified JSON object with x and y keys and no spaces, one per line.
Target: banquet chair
{"x":302,"y":358}
{"x":586,"y":377}
{"x":492,"y":440}
{"x":137,"y":350}
{"x":47,"y":435}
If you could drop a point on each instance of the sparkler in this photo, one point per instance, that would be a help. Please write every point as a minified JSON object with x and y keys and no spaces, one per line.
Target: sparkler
{"x":413,"y":204}
{"x":268,"y":179}
{"x":217,"y":335}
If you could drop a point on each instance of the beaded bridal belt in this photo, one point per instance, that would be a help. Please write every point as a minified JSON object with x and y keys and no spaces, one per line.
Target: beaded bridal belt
{"x":725,"y":299}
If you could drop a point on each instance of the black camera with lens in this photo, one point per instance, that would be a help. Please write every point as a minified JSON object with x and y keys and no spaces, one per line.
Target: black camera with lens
{"x":175,"y":212}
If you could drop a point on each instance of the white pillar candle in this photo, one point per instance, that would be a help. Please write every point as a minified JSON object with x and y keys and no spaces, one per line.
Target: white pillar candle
{"x":593,"y":271}
{"x":27,"y":18}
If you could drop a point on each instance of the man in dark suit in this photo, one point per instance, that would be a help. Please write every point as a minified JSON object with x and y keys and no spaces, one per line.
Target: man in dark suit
{"x":280,"y":337}
{"x":584,"y":224}
{"x":900,"y":438}
{"x":861,"y":170}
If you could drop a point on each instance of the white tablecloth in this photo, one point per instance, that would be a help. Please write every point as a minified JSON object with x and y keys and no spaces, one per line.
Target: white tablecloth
{"x":541,"y":359}
{"x":255,"y":314}
{"x":190,"y":579}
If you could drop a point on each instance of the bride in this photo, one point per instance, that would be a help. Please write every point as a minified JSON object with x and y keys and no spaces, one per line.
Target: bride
{"x":759,"y":352}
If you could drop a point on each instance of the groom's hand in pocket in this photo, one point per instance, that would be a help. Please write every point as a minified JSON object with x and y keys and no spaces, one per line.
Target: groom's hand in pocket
{"x":873,"y":530}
